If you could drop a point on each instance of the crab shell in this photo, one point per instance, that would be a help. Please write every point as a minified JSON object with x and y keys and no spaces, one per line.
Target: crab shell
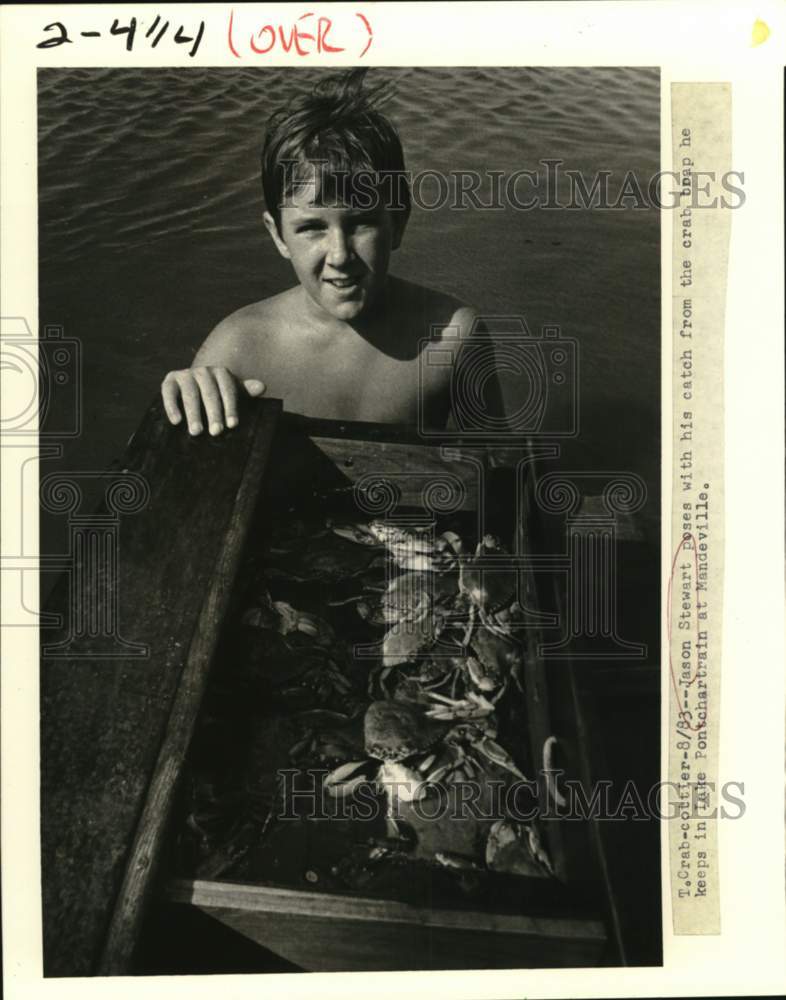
{"x":395,"y":534}
{"x":497,"y":656}
{"x":414,"y":548}
{"x":407,"y":597}
{"x":488,"y":587}
{"x":407,"y":639}
{"x":394,"y":730}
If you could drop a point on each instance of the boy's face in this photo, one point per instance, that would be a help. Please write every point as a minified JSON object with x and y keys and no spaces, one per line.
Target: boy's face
{"x":340,"y":254}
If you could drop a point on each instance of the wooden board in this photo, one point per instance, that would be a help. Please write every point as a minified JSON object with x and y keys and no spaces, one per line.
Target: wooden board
{"x":115,"y":732}
{"x":108,"y":724}
{"x":326,"y":459}
{"x":326,"y":933}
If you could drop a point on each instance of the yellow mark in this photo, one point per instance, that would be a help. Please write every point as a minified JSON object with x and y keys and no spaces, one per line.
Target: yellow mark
{"x":760,"y":33}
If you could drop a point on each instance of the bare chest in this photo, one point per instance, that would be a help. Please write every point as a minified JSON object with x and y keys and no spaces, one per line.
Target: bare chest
{"x":347,"y":382}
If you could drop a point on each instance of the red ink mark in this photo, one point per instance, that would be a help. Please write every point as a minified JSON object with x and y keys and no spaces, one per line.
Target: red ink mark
{"x":370,"y":34}
{"x":323,"y":27}
{"x":232,"y":48}
{"x":291,"y":37}
{"x":686,"y":538}
{"x":255,"y":47}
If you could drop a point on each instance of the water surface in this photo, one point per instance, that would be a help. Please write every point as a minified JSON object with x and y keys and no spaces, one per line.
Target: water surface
{"x":150,"y":227}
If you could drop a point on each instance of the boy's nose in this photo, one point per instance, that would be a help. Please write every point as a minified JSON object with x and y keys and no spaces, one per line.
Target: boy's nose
{"x":339,"y":250}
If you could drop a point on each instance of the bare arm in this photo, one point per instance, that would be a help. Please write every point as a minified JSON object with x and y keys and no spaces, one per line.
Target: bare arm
{"x":210,"y":385}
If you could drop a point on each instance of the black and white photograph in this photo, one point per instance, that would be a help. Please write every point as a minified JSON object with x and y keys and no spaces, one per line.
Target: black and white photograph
{"x":391,"y":426}
{"x":375,"y":684}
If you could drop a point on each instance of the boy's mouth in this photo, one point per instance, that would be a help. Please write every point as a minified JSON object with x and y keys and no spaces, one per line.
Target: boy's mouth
{"x":343,"y":283}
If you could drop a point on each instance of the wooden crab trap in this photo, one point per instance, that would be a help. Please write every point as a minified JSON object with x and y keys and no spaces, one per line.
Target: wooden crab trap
{"x":341,"y":739}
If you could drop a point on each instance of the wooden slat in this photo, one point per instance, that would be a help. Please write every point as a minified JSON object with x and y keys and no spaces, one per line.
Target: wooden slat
{"x":411,"y":468}
{"x":145,"y":851}
{"x":326,"y":933}
{"x":271,"y":899}
{"x":103,"y":720}
{"x":330,"y":944}
{"x":568,"y":706}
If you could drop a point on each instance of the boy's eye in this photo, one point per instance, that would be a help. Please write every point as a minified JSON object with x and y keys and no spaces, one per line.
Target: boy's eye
{"x":364,"y":222}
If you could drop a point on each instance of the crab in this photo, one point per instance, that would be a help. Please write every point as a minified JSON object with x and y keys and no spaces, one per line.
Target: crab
{"x":395,"y":732}
{"x":325,"y":737}
{"x":284,"y":619}
{"x":324,"y":675}
{"x":517,"y":848}
{"x":415,"y":750}
{"x":308,"y":654}
{"x":423,"y":678}
{"x":415,"y":607}
{"x":474,"y":706}
{"x":323,"y":557}
{"x":325,"y":746}
{"x":474,"y":676}
{"x":412,"y":594}
{"x":412,"y":547}
{"x":471,"y":747}
{"x":498,"y":657}
{"x":399,"y":739}
{"x":406,"y":598}
{"x":488,"y":589}
{"x":407,"y":639}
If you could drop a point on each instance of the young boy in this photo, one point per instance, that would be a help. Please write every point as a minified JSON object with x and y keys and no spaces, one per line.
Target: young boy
{"x":345,"y":342}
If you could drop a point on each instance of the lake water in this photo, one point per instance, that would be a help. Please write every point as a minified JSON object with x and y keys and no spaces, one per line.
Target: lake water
{"x":150,"y":228}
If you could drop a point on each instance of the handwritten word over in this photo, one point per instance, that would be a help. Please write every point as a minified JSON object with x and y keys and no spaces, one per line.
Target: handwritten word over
{"x":308,"y":35}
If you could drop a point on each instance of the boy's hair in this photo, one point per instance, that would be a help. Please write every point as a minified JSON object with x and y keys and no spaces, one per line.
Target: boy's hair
{"x":339,"y":131}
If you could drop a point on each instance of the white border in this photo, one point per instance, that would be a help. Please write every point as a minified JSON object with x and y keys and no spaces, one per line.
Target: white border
{"x":689,"y":41}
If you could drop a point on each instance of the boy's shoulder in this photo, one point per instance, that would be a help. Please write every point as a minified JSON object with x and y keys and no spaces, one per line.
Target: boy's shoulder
{"x":446,"y":316}
{"x":240,"y":334}
{"x":256,"y":317}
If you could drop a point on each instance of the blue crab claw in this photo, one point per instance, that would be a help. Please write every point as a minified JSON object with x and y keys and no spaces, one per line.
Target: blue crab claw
{"x":537,"y":850}
{"x":474,"y":706}
{"x":358,"y":533}
{"x":450,"y":540}
{"x":492,"y":751}
{"x":401,"y":782}
{"x":449,"y":859}
{"x":516,"y":848}
{"x":490,"y":622}
{"x":478,"y":676}
{"x":549,"y":772}
{"x":344,"y":780}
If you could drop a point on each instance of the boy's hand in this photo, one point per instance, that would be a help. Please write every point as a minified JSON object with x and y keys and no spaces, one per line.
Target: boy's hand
{"x":205,"y":388}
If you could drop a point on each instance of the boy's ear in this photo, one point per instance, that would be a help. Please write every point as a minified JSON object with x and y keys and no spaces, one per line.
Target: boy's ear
{"x":272,"y":228}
